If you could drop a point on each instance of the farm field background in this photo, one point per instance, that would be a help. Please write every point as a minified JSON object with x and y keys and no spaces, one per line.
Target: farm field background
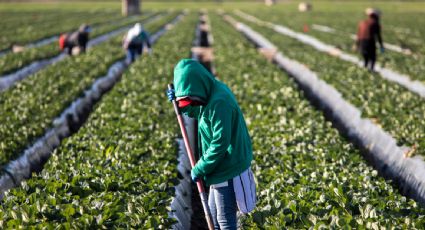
{"x":120,"y":168}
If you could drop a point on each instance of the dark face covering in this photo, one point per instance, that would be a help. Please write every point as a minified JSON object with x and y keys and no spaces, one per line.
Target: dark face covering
{"x":190,"y":106}
{"x":191,"y":111}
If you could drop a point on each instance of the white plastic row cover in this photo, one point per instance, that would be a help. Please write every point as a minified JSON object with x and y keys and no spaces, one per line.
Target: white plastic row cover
{"x":8,"y":80}
{"x":21,"y":169}
{"x":382,"y":148}
{"x":391,"y":75}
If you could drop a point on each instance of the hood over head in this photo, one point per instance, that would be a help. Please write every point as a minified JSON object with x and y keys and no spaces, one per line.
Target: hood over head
{"x":134,"y":32}
{"x":137,"y":28}
{"x":191,"y":78}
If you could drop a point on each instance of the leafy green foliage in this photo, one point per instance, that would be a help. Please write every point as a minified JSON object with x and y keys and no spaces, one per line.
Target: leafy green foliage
{"x":307,"y":175}
{"x":398,"y":28}
{"x":14,"y":61}
{"x":28,"y":109}
{"x":119,"y":170}
{"x":395,"y":108}
{"x":24,"y":27}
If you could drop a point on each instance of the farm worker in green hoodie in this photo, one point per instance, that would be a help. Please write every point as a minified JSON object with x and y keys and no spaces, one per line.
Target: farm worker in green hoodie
{"x":226,"y":152}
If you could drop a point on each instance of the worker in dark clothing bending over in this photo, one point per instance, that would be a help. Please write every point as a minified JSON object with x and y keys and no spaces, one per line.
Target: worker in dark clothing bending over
{"x":77,"y":39}
{"x":368,"y":31}
{"x":133,"y":42}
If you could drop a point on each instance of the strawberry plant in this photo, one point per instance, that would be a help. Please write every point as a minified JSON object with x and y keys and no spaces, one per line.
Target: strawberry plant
{"x":411,"y":65}
{"x":396,"y":109}
{"x":14,"y":61}
{"x":28,"y":109}
{"x":119,"y":170}
{"x":308,"y":176}
{"x":25,"y":27}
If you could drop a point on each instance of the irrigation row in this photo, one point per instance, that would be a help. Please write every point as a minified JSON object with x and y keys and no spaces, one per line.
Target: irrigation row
{"x":9,"y":80}
{"x":380,"y":147}
{"x":48,"y":40}
{"x":70,"y":120}
{"x":388,"y":74}
{"x":392,"y":47}
{"x":186,"y":204}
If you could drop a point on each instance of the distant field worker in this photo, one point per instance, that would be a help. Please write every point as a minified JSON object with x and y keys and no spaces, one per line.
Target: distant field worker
{"x":77,"y":39}
{"x":134,"y":41}
{"x":368,"y":31}
{"x":225,"y":145}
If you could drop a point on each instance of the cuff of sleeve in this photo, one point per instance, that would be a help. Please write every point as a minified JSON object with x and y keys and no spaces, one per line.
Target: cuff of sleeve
{"x":196,"y":171}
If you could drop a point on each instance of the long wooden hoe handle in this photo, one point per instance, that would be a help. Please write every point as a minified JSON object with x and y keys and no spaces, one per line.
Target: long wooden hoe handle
{"x":199,"y":183}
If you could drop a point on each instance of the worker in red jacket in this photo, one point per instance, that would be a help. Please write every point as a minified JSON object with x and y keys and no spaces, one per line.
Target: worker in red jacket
{"x":368,"y":32}
{"x":79,"y":39}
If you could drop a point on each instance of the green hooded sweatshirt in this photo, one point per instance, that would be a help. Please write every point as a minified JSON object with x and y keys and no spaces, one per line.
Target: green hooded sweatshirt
{"x":224,"y":139}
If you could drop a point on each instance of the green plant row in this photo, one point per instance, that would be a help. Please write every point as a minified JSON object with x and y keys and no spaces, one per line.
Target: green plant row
{"x":399,"y":111}
{"x":14,"y":61}
{"x":308,"y":176}
{"x":399,"y":21}
{"x":16,"y":14}
{"x":105,"y":28}
{"x":28,"y":109}
{"x":119,"y":170}
{"x":411,"y":65}
{"x":29,"y":27}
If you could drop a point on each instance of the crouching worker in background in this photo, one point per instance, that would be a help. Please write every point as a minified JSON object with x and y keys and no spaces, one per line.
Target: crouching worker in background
{"x":133,"y":42}
{"x":226,"y":153}
{"x":76,"y":42}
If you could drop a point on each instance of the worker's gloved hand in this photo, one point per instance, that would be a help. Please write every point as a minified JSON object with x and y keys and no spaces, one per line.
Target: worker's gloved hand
{"x":193,"y":176}
{"x":171,"y":95}
{"x":382,"y":50}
